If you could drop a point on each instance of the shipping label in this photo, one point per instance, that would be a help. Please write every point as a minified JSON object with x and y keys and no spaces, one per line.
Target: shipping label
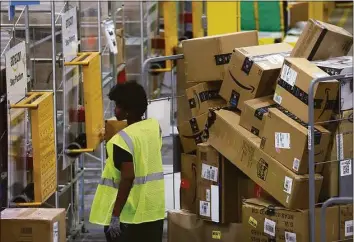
{"x":290,"y":237}
{"x":210,"y":172}
{"x":282,"y":140}
{"x":288,"y":183}
{"x":348,"y":228}
{"x":269,"y":227}
{"x":346,"y":167}
{"x":289,"y":75}
{"x":296,"y":164}
{"x":204,"y":209}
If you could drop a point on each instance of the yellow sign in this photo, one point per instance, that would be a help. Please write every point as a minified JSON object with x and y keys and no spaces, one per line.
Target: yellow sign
{"x":40,"y":106}
{"x":252,"y":222}
{"x":94,"y":121}
{"x":216,"y":234}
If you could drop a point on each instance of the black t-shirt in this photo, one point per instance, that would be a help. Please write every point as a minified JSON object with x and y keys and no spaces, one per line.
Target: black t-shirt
{"x":119,"y":156}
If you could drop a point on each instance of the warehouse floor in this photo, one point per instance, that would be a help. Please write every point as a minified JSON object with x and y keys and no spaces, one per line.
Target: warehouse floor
{"x":340,"y":17}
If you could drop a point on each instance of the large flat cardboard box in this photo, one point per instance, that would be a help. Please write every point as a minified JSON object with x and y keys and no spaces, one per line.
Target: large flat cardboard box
{"x":112,"y":127}
{"x":242,"y":148}
{"x":340,"y":170}
{"x":346,"y":222}
{"x":206,"y":58}
{"x":253,"y":72}
{"x":221,"y":187}
{"x":293,"y":85}
{"x":203,"y":96}
{"x":33,"y":225}
{"x":184,"y":226}
{"x":320,"y":41}
{"x":285,"y":138}
{"x":214,"y":232}
{"x":253,"y":112}
{"x":342,"y":65}
{"x":188,"y":190}
{"x":192,"y":132}
{"x":265,"y":221}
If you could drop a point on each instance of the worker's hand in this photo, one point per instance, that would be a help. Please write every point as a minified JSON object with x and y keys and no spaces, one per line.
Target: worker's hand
{"x":114,"y":227}
{"x":102,"y":135}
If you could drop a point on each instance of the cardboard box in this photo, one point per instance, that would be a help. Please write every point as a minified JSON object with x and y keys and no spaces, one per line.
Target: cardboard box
{"x":203,"y":96}
{"x":253,"y":72}
{"x":188,"y":190}
{"x":219,"y":192}
{"x":346,"y":222}
{"x":112,"y":127}
{"x":293,"y":85}
{"x":320,"y":41}
{"x":192,"y":132}
{"x":265,"y":221}
{"x":340,"y":66}
{"x":340,"y":170}
{"x":33,"y":225}
{"x":206,"y":58}
{"x":184,"y":226}
{"x":298,"y":12}
{"x":253,"y":112}
{"x":184,"y":113}
{"x":181,"y":83}
{"x":214,"y":232}
{"x":242,"y":148}
{"x":285,"y":138}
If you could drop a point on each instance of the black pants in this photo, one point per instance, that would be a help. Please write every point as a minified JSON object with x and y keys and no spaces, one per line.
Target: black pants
{"x":145,"y":232}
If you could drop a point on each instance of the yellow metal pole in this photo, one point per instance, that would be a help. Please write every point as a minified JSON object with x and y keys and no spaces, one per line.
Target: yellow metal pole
{"x":316,"y":11}
{"x":197,"y":13}
{"x":170,"y":23}
{"x":223,"y":17}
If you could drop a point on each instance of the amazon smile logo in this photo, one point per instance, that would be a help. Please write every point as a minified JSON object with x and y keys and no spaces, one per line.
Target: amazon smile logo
{"x":250,"y":88}
{"x":327,"y":99}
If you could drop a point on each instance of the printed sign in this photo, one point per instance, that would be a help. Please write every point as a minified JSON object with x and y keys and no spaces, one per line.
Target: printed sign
{"x":69,"y":32}
{"x":16,"y":73}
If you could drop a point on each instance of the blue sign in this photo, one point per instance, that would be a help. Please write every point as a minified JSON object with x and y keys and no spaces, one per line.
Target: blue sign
{"x":12,"y":5}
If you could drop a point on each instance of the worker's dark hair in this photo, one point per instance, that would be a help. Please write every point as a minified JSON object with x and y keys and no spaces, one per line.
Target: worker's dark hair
{"x":130,"y":96}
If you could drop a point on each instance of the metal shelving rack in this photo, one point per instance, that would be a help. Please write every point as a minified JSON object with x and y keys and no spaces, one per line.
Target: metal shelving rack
{"x":311,"y":144}
{"x":73,"y":181}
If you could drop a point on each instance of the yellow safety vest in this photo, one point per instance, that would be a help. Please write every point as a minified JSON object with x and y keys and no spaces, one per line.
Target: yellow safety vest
{"x":146,"y":201}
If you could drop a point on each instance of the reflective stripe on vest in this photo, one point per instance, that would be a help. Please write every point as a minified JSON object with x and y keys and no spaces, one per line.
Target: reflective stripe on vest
{"x":127,"y":140}
{"x":137,"y":181}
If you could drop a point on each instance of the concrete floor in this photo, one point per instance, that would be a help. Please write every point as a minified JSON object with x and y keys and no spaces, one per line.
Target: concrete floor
{"x":172,"y":195}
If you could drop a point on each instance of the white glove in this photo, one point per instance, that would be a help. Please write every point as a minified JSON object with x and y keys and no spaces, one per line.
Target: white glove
{"x":114,"y":227}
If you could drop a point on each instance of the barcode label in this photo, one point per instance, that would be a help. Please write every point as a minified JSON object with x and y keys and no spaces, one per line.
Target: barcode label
{"x":348,"y":228}
{"x":288,"y":183}
{"x":309,"y":138}
{"x":277,"y":98}
{"x":346,"y":167}
{"x":290,"y":237}
{"x":288,"y":75}
{"x":340,"y":151}
{"x":269,"y":227}
{"x":282,"y":140}
{"x":210,"y":172}
{"x":207,"y":194}
{"x":296,"y":164}
{"x":56,"y":232}
{"x":204,"y":209}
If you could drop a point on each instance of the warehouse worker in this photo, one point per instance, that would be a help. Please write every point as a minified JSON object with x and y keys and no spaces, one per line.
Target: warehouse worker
{"x":130,"y":199}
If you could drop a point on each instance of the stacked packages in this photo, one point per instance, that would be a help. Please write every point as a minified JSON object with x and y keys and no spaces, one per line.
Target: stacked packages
{"x":243,"y":125}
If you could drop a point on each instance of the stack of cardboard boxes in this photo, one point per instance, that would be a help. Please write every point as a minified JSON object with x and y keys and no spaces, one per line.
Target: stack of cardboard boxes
{"x":245,"y":141}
